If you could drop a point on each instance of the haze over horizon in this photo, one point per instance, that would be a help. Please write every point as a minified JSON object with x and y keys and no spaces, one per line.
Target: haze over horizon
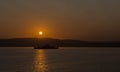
{"x":64,"y":19}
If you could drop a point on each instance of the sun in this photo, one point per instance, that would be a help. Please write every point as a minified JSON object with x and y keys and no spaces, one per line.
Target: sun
{"x":40,"y":33}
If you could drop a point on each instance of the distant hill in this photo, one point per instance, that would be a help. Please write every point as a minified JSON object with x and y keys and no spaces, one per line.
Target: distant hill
{"x":30,"y":42}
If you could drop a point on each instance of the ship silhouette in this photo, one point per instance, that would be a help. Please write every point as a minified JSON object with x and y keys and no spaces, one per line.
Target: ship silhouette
{"x":45,"y":46}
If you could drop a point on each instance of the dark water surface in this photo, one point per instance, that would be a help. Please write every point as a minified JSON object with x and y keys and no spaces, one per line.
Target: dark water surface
{"x":26,"y":59}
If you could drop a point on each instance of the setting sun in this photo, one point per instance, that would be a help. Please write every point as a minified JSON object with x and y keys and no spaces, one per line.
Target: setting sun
{"x":40,"y":33}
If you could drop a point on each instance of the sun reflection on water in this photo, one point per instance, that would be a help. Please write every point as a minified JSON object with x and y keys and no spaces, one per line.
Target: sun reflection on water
{"x":40,"y":62}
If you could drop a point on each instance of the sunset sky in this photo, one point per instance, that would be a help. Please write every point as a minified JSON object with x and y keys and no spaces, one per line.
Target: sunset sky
{"x":63,"y":19}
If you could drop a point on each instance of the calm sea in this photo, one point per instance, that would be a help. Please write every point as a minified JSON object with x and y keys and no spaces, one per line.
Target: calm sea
{"x":27,"y":59}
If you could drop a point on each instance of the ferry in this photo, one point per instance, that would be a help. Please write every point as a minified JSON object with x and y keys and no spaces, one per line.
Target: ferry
{"x":46,"y":46}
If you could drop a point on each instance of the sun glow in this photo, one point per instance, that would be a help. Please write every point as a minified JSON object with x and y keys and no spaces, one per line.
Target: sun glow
{"x":40,"y":33}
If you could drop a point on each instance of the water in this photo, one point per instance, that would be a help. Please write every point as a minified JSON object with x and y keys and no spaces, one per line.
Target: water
{"x":26,"y":59}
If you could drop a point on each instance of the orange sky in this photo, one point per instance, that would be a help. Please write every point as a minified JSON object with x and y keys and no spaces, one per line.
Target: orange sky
{"x":73,"y":19}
